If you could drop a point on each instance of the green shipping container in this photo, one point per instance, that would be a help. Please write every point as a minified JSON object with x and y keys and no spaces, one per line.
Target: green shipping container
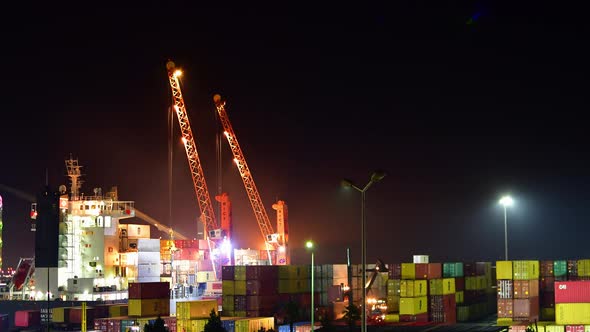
{"x":240,"y":272}
{"x":453,"y":270}
{"x":560,"y":268}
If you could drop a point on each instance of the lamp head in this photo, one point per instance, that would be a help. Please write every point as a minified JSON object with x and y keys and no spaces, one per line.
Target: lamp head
{"x":346,"y":183}
{"x":377,"y":176}
{"x":506,"y":201}
{"x":309,"y":245}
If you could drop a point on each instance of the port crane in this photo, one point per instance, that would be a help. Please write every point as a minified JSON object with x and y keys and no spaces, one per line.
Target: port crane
{"x":277,"y":240}
{"x":212,"y":232}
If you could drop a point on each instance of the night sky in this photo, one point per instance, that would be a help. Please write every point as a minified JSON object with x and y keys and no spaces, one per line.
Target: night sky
{"x":458,"y":101}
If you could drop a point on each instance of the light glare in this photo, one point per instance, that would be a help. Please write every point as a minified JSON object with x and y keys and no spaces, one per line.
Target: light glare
{"x":309,"y":244}
{"x":177,"y":73}
{"x":506,"y":201}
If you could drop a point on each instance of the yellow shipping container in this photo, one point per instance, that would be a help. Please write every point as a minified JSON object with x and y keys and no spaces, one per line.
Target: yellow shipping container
{"x":239,"y":313}
{"x":191,"y":325}
{"x":448,"y":286}
{"x":504,"y":321}
{"x":584,"y":267}
{"x":572,"y":313}
{"x":227,"y":287}
{"x":227,"y":303}
{"x":294,"y":272}
{"x":393,"y":302}
{"x":148,"y":307}
{"x":254,"y":324}
{"x":195,"y":309}
{"x":555,"y":328}
{"x":503,"y":270}
{"x":118,"y":310}
{"x":413,"y":288}
{"x":459,"y":297}
{"x":391,"y":318}
{"x":240,"y":272}
{"x":293,"y":286}
{"x":239,"y":287}
{"x":408,"y":271}
{"x":525,"y":270}
{"x":393,"y":287}
{"x":435,"y":287}
{"x":412,"y":305}
{"x":58,"y":314}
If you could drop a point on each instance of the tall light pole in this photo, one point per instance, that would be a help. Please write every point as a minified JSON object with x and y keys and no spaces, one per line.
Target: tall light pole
{"x":375,"y":177}
{"x":506,"y":201}
{"x":309,"y":246}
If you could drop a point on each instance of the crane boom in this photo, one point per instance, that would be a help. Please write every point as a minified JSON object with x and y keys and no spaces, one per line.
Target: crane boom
{"x":203,"y":198}
{"x":253,"y":195}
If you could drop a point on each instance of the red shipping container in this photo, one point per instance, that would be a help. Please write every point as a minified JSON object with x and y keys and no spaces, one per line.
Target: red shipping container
{"x":76,"y":315}
{"x":149,"y":290}
{"x":434,"y":270}
{"x":574,"y":328}
{"x":572,"y":292}
{"x":114,"y":325}
{"x":414,"y":318}
{"x":205,"y":265}
{"x":469,"y":269}
{"x":524,"y":289}
{"x":262,"y":272}
{"x":546,"y":268}
{"x":189,"y":254}
{"x":421,"y":270}
{"x":101,"y":324}
{"x":395,"y":271}
{"x":526,"y":309}
{"x":459,"y":284}
{"x":27,"y":318}
{"x":261,"y":302}
{"x":262,"y":287}
{"x":505,"y":308}
{"x":227,"y":272}
{"x":547,"y":284}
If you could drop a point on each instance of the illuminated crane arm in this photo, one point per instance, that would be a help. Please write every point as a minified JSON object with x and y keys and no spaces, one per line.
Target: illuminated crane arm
{"x":253,"y":195}
{"x":205,"y":205}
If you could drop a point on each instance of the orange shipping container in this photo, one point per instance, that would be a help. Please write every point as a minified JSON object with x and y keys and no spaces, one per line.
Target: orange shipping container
{"x":524,"y":289}
{"x":526,"y":309}
{"x":505,"y":308}
{"x":434,"y":270}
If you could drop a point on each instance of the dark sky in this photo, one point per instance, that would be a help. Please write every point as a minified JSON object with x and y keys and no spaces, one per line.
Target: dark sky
{"x":459,"y":101}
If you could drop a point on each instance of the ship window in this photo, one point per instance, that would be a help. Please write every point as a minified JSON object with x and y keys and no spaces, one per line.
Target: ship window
{"x":87,"y":207}
{"x":94,"y":207}
{"x":81,"y":207}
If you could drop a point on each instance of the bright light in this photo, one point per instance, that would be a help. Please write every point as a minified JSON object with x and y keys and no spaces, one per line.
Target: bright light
{"x":184,"y":140}
{"x":226,"y":247}
{"x":282,"y":249}
{"x":309,"y":245}
{"x":177,"y":73}
{"x":226,"y":134}
{"x":236,"y":161}
{"x":506,"y":201}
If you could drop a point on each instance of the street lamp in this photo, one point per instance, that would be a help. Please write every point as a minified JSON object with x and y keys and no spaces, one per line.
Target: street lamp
{"x":506,"y":201}
{"x":375,"y":177}
{"x":309,"y":246}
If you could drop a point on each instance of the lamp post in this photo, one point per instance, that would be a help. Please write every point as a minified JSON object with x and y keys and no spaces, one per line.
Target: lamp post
{"x":309,"y":246}
{"x":506,"y":201}
{"x":375,"y":177}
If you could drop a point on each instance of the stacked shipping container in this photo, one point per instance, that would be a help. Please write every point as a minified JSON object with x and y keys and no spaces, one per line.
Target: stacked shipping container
{"x":413,"y":302}
{"x":149,"y":299}
{"x":442,"y":298}
{"x":475,"y":295}
{"x":518,"y":291}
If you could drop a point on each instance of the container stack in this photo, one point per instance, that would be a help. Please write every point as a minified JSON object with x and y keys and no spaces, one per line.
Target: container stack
{"x":413,"y":303}
{"x":476,"y":298}
{"x":518,"y":291}
{"x":441,"y":296}
{"x":26,"y":319}
{"x":261,"y":290}
{"x":234,"y":291}
{"x":123,"y":324}
{"x":572,"y":303}
{"x":550,"y":272}
{"x":294,"y":285}
{"x":191,"y":316}
{"x":148,"y":260}
{"x":149,"y":299}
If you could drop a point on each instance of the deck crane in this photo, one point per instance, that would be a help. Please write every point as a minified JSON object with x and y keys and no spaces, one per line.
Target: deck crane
{"x":277,"y":240}
{"x":212,"y":230}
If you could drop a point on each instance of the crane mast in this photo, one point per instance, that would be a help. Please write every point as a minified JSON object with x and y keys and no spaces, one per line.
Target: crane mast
{"x":259,"y":211}
{"x":203,"y":198}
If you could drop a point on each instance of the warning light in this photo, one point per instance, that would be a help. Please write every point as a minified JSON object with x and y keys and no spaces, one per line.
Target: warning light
{"x":63,"y":203}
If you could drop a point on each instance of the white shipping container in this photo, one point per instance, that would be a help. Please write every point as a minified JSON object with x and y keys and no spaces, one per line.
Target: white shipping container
{"x":420,"y":259}
{"x":144,"y":257}
{"x":148,"y":270}
{"x":148,"y":279}
{"x":339,"y":271}
{"x":148,"y":245}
